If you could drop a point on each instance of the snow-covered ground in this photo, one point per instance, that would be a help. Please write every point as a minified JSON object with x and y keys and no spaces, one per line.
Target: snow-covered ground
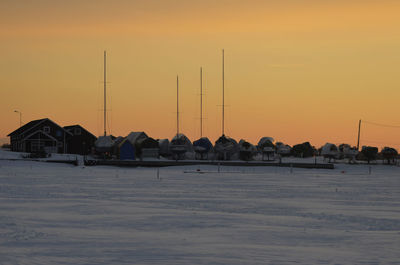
{"x":62,"y":214}
{"x":6,"y":154}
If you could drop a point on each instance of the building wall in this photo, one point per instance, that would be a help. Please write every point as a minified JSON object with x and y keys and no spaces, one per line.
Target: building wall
{"x":81,"y":143}
{"x":29,"y":145}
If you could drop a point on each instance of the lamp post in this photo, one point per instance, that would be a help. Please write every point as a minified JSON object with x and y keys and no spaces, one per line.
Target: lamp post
{"x":20,"y":117}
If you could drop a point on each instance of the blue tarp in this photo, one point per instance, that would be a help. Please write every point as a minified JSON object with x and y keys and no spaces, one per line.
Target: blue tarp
{"x":203,"y":144}
{"x":127,"y":151}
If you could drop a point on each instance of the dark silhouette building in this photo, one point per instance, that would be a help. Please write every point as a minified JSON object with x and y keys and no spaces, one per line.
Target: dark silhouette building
{"x":42,"y":135}
{"x":81,"y":142}
{"x":46,"y":136}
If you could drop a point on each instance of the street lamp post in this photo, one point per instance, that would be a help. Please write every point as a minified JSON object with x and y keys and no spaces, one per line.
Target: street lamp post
{"x":20,"y":117}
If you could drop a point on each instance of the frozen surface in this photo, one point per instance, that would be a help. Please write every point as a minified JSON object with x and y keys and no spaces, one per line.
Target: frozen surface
{"x":62,"y":214}
{"x":8,"y":155}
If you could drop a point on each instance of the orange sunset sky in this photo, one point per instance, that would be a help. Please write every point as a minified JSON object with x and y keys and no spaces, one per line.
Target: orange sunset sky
{"x":295,"y":70}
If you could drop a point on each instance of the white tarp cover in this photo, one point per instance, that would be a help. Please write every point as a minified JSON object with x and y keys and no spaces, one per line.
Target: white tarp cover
{"x":348,"y":151}
{"x":133,"y":137}
{"x":266,"y":144}
{"x":181,"y":140}
{"x":329,"y":149}
{"x":246,"y":146}
{"x":263,"y":140}
{"x":104,"y":143}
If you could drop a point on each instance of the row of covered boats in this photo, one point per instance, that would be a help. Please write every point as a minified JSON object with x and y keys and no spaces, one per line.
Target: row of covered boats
{"x":138,"y":146}
{"x":369,"y":153}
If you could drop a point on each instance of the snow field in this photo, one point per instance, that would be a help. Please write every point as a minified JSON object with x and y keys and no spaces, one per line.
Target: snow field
{"x":62,"y":214}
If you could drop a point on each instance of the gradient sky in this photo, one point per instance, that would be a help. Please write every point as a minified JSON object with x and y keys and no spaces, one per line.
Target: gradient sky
{"x":295,"y":70}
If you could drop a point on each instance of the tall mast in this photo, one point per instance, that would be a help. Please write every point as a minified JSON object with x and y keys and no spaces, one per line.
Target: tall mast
{"x":177,"y":105}
{"x":105,"y":95}
{"x":223,"y":92}
{"x":201,"y":102}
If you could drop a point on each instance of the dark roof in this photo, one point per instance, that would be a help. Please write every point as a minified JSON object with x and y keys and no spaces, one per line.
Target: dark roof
{"x":33,"y":124}
{"x":72,"y":126}
{"x":78,"y":126}
{"x":27,"y":126}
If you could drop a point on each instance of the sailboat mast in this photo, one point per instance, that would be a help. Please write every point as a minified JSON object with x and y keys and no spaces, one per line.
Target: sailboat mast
{"x":105,"y":95}
{"x":201,"y":102}
{"x":177,"y":105}
{"x":223,"y":92}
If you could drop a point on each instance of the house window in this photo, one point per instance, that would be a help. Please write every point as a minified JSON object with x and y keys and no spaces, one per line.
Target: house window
{"x":46,"y":129}
{"x":77,"y":131}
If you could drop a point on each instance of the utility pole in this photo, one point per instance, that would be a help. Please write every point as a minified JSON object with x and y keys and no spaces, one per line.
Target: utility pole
{"x":359,"y":132}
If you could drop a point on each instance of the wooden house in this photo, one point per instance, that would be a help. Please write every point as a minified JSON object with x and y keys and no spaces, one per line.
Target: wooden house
{"x":42,"y":135}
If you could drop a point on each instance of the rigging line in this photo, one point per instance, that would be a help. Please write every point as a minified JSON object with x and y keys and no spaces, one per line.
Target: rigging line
{"x":380,"y":142}
{"x":380,"y":124}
